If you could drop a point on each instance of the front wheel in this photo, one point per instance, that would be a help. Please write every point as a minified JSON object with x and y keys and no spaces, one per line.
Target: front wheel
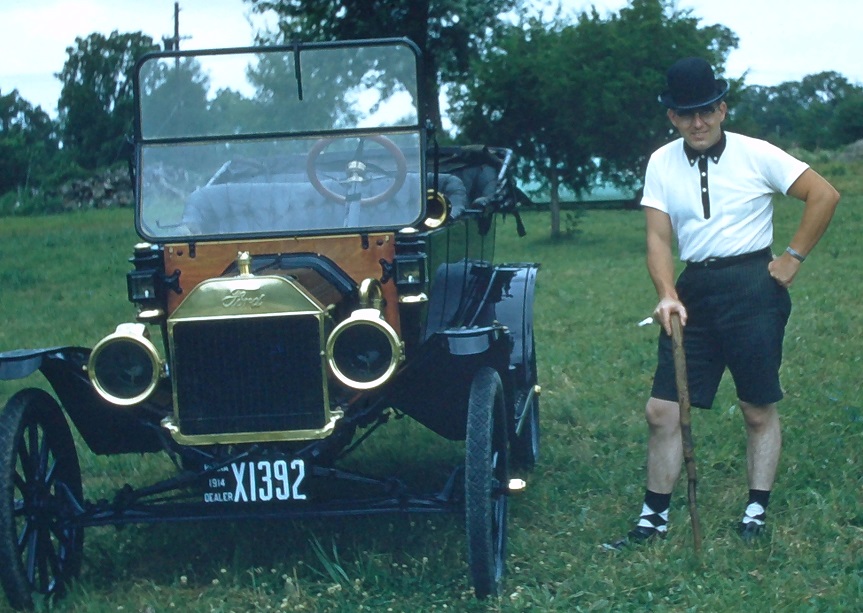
{"x":486,"y":480}
{"x":40,"y":487}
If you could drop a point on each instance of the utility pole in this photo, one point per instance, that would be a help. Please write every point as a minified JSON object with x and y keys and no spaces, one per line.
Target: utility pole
{"x":172,"y":43}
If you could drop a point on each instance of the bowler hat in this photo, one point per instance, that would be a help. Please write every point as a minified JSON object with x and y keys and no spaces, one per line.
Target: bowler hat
{"x":691,"y":84}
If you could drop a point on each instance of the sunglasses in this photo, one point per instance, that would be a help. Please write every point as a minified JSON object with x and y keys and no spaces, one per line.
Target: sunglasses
{"x":702,"y":111}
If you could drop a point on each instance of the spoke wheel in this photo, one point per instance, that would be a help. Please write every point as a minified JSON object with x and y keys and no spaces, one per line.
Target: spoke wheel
{"x":40,"y":482}
{"x":486,"y":479}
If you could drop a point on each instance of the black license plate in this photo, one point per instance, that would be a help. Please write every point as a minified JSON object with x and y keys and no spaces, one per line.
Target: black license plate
{"x":252,"y":481}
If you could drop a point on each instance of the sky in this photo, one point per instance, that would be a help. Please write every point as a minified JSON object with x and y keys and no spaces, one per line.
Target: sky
{"x":780,"y":40}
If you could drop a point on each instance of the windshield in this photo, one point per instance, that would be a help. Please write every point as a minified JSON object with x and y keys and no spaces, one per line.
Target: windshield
{"x":306,"y":139}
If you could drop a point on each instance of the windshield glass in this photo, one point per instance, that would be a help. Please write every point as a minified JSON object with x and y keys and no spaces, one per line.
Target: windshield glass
{"x":312,"y":139}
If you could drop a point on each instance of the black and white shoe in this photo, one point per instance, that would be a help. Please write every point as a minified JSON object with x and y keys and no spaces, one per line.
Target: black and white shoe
{"x":649,"y":528}
{"x":637,"y":536}
{"x":754,"y":523}
{"x":751,"y":532}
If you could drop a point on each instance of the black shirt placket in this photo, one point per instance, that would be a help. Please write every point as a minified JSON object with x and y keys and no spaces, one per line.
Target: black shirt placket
{"x":705,"y":192}
{"x":701,"y":158}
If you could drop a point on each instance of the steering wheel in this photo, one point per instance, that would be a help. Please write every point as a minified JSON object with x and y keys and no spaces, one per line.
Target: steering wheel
{"x":357,"y":168}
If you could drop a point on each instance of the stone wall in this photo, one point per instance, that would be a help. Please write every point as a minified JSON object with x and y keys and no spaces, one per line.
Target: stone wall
{"x":110,"y":188}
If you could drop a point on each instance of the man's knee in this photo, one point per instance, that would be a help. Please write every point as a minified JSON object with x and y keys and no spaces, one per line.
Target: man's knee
{"x":662,"y":414}
{"x":759,"y":416}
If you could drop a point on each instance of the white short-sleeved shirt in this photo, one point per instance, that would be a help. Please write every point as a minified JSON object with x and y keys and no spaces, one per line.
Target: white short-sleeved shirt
{"x":740,"y":184}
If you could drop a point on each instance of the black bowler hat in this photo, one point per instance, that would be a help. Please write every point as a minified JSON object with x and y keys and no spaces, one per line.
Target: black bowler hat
{"x":691,"y":84}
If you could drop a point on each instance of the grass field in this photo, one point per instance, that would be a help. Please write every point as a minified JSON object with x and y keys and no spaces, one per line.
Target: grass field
{"x":62,"y":281}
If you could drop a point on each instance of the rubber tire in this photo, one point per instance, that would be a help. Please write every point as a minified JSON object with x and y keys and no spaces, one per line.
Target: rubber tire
{"x":52,"y":554}
{"x":486,"y":477}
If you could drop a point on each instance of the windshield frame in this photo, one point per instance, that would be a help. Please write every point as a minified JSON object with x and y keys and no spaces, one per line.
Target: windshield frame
{"x":410,"y":129}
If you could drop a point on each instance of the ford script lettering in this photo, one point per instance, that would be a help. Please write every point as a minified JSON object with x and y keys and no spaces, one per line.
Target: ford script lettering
{"x":240,"y":298}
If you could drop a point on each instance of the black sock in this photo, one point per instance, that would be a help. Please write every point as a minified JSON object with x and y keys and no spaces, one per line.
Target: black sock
{"x":762,"y":497}
{"x":657,"y":502}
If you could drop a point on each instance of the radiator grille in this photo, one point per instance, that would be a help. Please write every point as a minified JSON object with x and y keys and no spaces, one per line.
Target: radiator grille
{"x":249,"y":374}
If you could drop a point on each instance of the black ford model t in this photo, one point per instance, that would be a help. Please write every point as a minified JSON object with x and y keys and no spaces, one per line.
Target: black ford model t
{"x":313,"y":264}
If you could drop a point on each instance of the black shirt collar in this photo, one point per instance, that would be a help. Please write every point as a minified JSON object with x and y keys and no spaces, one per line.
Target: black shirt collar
{"x":714,"y":152}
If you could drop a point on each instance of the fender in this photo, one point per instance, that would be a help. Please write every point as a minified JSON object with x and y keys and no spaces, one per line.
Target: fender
{"x":434,"y":387}
{"x":105,"y":428}
{"x":515,"y":311}
{"x":21,"y":363}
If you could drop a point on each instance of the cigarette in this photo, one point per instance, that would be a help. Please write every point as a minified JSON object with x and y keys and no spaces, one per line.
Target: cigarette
{"x":645,"y":322}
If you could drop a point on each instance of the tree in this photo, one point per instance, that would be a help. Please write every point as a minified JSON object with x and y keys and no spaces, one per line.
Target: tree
{"x":846,"y":123}
{"x":96,"y":106}
{"x":822,"y":111}
{"x":579,"y":101}
{"x":28,"y":143}
{"x":508,"y":98}
{"x":451,"y":34}
{"x":175,"y":95}
{"x":820,"y":96}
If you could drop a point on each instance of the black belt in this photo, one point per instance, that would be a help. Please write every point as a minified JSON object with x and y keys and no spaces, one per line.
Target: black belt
{"x":731,"y":259}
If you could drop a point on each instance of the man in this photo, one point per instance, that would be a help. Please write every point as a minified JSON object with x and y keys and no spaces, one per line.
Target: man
{"x":712,"y":191}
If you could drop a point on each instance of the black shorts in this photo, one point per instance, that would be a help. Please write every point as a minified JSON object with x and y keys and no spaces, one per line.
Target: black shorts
{"x":736,"y":317}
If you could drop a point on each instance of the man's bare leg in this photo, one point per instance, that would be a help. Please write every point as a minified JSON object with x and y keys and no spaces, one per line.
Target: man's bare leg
{"x":664,"y":458}
{"x":664,"y":445}
{"x":763,"y":448}
{"x":763,"y":444}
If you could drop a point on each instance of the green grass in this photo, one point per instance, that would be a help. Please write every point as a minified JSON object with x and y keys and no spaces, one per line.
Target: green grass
{"x":62,"y":282}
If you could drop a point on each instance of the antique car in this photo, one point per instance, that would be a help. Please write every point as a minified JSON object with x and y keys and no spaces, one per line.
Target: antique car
{"x":312,"y":263}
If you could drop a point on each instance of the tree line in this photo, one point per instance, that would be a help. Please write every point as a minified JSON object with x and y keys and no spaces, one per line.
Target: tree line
{"x":91,"y":132}
{"x":576,"y":98}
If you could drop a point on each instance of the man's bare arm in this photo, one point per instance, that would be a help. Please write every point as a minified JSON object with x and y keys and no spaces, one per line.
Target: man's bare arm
{"x":820,"y":199}
{"x":660,"y":265}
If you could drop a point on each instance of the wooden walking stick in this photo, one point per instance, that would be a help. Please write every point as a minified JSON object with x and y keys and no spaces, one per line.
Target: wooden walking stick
{"x":685,"y":425}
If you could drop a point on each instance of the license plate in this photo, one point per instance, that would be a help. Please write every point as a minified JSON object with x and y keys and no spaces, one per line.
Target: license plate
{"x":257,"y":481}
